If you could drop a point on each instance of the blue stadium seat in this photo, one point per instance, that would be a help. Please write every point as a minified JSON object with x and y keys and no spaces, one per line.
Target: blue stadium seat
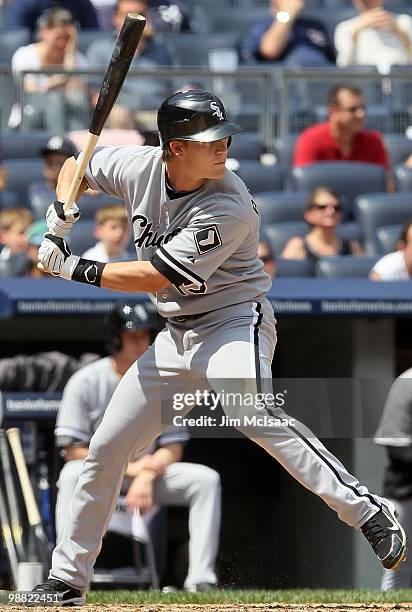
{"x":403,"y":178}
{"x":223,"y":18}
{"x":345,"y":266}
{"x":283,"y":149}
{"x":399,"y":148}
{"x":260,"y":178}
{"x":22,"y":145}
{"x":349,"y":179}
{"x":388,"y":237}
{"x":81,"y":236}
{"x":20,"y":173}
{"x":330,"y":18}
{"x":192,"y":48}
{"x":86,"y":37}
{"x":296,"y":268}
{"x":39,"y":203}
{"x":246,"y":145}
{"x":10,"y":41}
{"x":8,"y":199}
{"x":280,"y":207}
{"x":278,"y":234}
{"x":380,"y":209}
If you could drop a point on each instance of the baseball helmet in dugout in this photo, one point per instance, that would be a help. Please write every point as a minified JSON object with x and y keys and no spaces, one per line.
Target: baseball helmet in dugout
{"x":126,"y":316}
{"x":195,"y":115}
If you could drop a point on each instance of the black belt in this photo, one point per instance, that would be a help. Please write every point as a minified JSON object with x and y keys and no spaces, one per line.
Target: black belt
{"x":185,"y":318}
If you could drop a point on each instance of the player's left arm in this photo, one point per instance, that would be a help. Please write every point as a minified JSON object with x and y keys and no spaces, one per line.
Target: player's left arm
{"x":57,"y":259}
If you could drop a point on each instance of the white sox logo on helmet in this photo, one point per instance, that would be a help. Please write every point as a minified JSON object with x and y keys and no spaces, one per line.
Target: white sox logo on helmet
{"x":217,"y":110}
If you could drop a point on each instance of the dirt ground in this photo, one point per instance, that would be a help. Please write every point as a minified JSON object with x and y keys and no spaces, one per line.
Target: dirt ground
{"x":224,"y":608}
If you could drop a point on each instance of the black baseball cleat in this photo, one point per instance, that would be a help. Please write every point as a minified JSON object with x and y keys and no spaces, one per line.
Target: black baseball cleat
{"x":386,"y":536}
{"x":55,"y":592}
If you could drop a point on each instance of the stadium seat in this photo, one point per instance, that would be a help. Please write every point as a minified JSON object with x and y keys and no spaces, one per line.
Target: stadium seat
{"x":22,"y":145}
{"x":283,"y":149}
{"x":330,"y":18}
{"x":192,"y":48}
{"x":278,"y":234}
{"x":296,"y":268}
{"x":20,"y":173}
{"x":388,"y":237}
{"x":280,"y":207}
{"x":349,"y":179}
{"x":81,"y":236}
{"x":8,"y":199}
{"x":259,"y":178}
{"x":86,"y":37}
{"x":399,"y":148}
{"x":403,"y":178}
{"x":380,"y":209}
{"x":246,"y":145}
{"x":222,"y":18}
{"x":345,"y":266}
{"x":39,"y":203}
{"x":10,"y":41}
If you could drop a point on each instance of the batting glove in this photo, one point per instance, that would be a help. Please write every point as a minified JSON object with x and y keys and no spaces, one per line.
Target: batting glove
{"x":60,"y":221}
{"x":56,"y":258}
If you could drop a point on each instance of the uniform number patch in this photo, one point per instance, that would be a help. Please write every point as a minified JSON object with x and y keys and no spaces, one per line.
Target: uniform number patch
{"x":207,"y":239}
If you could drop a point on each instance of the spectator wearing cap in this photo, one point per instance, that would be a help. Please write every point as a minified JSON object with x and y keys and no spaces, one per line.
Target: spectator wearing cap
{"x":25,"y":13}
{"x":56,"y":48}
{"x":54,"y":154}
{"x":288,"y":37}
{"x":170,"y":15}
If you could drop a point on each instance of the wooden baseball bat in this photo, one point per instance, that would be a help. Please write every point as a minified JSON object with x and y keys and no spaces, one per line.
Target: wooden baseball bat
{"x":33,"y":514}
{"x":123,"y":53}
{"x":15,"y":516}
{"x":122,"y":56}
{"x":8,"y":538}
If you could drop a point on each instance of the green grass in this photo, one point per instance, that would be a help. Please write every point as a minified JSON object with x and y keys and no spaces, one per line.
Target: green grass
{"x":265,"y":597}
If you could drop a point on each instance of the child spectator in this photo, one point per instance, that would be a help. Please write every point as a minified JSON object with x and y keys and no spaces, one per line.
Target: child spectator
{"x":397,"y":265}
{"x":14,"y":223}
{"x":113,"y":232}
{"x":35,"y":235}
{"x":54,"y":154}
{"x":323,"y":213}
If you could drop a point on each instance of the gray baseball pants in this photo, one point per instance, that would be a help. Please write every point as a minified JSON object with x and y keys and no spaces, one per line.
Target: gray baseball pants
{"x":235,"y":343}
{"x":182,"y":484}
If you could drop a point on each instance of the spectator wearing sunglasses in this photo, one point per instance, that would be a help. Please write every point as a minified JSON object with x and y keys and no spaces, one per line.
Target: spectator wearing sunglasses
{"x":343,"y":137}
{"x":324,"y":214}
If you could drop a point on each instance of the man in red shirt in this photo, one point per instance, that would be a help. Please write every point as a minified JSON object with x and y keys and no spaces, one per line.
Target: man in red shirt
{"x":343,"y":137}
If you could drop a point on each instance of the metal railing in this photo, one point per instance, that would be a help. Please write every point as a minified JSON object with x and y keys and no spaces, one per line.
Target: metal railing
{"x":270,"y":101}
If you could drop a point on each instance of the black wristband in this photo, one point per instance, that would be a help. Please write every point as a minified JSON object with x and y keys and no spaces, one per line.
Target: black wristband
{"x":89,"y":272}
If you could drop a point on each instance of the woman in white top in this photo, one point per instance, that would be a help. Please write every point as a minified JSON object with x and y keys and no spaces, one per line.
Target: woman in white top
{"x":55,"y":48}
{"x":397,"y":265}
{"x":375,"y":37}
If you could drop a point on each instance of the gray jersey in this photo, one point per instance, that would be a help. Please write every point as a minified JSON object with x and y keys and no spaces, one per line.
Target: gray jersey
{"x":205,"y":242}
{"x":85,"y":399}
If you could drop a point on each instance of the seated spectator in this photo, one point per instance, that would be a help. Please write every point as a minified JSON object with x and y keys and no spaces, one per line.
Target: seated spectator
{"x":374,"y":38}
{"x":323,"y":213}
{"x":56,"y":48}
{"x":25,"y":13}
{"x":54,"y":154}
{"x":266,"y":256}
{"x":14,"y":223}
{"x":397,"y":265}
{"x":343,"y":137}
{"x":285,"y":36}
{"x":169,"y":15}
{"x":151,"y":52}
{"x":156,"y":475}
{"x":113,"y":232}
{"x":104,"y":10}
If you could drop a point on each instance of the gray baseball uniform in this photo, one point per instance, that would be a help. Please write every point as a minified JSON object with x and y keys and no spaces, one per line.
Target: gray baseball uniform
{"x":85,"y":399}
{"x":220,"y":335}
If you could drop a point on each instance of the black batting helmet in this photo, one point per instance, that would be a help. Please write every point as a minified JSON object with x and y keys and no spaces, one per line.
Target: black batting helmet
{"x":126,"y":316}
{"x":194,"y":115}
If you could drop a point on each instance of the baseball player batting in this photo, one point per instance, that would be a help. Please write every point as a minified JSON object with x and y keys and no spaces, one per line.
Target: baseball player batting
{"x":196,"y":232}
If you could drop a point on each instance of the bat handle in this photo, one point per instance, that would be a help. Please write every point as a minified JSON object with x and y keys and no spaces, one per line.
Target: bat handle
{"x":82,"y":163}
{"x":33,"y":514}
